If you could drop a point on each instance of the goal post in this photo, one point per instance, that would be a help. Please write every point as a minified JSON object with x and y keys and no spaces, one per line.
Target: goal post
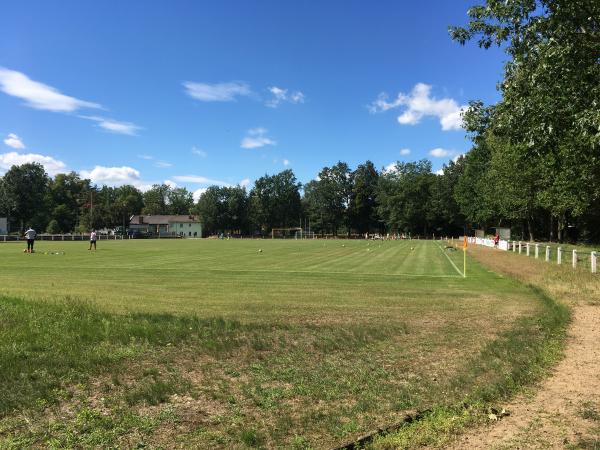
{"x":287,"y":233}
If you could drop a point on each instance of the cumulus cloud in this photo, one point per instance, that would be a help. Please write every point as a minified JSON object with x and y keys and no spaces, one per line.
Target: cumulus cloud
{"x":391,"y":167}
{"x":219,"y":92}
{"x":171,"y":184}
{"x":256,"y":138}
{"x":457,"y":157}
{"x":39,"y":95}
{"x":114,"y":126}
{"x":14,"y":141}
{"x":439,"y":172}
{"x":199,"y":152}
{"x":280,"y":95}
{"x":419,"y":104}
{"x":440,"y":152}
{"x":405,"y":151}
{"x":51,"y":165}
{"x":198,"y":193}
{"x":113,"y":176}
{"x":245,"y":182}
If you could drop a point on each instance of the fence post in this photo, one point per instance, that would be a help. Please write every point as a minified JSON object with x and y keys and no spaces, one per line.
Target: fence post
{"x":514,"y":246}
{"x":527,"y":248}
{"x":537,"y":251}
{"x":574,"y":258}
{"x":593,"y":262}
{"x":520,"y":247}
{"x":547,"y":253}
{"x":559,"y":256}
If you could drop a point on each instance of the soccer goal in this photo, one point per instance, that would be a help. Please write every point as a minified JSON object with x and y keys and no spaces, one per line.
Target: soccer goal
{"x":287,"y":233}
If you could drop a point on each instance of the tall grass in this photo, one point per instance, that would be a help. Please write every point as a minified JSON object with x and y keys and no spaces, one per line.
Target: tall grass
{"x":46,"y":346}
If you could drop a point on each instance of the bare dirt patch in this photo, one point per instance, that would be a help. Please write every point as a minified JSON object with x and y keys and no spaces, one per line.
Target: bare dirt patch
{"x":552,"y":416}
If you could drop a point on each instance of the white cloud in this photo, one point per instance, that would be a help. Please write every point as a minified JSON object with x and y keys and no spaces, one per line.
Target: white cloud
{"x":440,"y":152}
{"x":199,"y":180}
{"x":114,"y":126}
{"x":147,"y":157}
{"x":171,"y":184}
{"x":52,"y":166}
{"x":439,"y":172}
{"x":199,"y":152}
{"x":419,"y":103}
{"x":14,"y":141}
{"x":257,"y":138}
{"x":245,"y":182}
{"x":113,"y":176}
{"x":405,"y":151}
{"x":457,"y":157}
{"x":38,"y":95}
{"x":280,"y":95}
{"x":219,"y":92}
{"x":198,"y":193}
{"x":286,"y":162}
{"x":162,"y":164}
{"x":391,"y":167}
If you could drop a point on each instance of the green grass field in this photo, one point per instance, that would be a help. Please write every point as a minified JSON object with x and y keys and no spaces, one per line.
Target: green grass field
{"x":252,"y":343}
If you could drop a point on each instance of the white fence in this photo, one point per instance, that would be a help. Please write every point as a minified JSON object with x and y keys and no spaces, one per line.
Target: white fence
{"x":577,"y":256}
{"x":59,"y":237}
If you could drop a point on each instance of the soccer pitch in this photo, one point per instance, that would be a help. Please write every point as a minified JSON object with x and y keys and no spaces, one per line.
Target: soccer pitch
{"x":247,"y":342}
{"x":232,"y":277}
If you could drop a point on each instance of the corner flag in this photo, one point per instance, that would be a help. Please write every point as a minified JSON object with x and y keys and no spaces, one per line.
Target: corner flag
{"x":465,"y":258}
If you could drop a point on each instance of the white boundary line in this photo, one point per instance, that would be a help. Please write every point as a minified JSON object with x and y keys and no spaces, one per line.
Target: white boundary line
{"x":451,"y":262}
{"x":307,"y":272}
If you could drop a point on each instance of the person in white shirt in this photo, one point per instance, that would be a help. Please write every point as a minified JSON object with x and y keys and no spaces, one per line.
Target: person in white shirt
{"x":30,"y":236}
{"x":93,"y":238}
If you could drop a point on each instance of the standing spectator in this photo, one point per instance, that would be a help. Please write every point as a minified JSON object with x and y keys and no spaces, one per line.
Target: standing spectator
{"x":496,"y":240}
{"x":93,"y":238}
{"x":30,"y":235}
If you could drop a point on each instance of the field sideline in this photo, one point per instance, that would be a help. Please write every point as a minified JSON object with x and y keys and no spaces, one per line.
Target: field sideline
{"x":245,"y":343}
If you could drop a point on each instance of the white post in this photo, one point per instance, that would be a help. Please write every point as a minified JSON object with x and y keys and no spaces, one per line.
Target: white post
{"x":547,"y":253}
{"x":527,"y":248}
{"x":574,"y":258}
{"x":514,"y":246}
{"x":593,"y":259}
{"x":537,"y":251}
{"x":520,"y":247}
{"x":559,"y":256}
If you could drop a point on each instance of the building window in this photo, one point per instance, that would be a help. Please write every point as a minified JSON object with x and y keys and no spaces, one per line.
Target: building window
{"x":180,"y":225}
{"x":190,"y":225}
{"x":189,"y":233}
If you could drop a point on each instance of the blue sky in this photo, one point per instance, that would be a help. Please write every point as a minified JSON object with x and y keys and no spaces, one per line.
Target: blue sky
{"x":223,"y":92}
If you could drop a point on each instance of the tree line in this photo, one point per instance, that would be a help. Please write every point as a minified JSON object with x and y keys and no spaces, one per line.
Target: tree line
{"x":534,"y":165}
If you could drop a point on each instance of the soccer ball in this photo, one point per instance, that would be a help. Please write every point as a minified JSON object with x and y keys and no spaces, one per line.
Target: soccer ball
{"x":24,"y":250}
{"x":260,"y":250}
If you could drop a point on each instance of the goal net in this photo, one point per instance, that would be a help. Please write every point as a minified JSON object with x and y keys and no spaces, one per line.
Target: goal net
{"x":287,"y":233}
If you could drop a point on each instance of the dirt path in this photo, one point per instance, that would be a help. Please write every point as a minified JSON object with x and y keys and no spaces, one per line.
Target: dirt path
{"x":564,"y":410}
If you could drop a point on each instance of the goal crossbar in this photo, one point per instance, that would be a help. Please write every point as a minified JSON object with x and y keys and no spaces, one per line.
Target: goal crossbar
{"x":284,"y":232}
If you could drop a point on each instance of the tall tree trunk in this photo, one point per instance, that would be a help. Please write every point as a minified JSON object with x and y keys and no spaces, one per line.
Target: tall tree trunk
{"x":551,"y":227}
{"x":530,"y":228}
{"x":561,"y":227}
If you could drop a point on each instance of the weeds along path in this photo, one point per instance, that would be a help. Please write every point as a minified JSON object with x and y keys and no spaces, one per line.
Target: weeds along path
{"x":564,"y":410}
